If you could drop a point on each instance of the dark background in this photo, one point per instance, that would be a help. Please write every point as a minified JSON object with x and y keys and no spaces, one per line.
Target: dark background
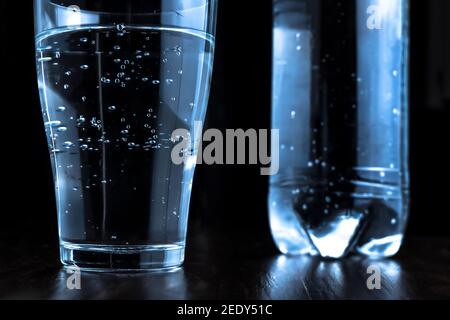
{"x":231,"y":198}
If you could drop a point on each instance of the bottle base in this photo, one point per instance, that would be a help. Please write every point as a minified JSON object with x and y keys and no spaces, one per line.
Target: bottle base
{"x":122,"y":258}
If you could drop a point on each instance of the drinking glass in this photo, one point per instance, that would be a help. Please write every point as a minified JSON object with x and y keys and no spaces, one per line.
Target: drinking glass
{"x":116,"y":78}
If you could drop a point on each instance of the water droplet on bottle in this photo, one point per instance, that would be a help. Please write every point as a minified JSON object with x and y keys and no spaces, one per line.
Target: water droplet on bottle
{"x":293,"y":113}
{"x":62,"y":129}
{"x":304,"y":207}
{"x":84,"y":67}
{"x":156,"y":82}
{"x":169,"y":81}
{"x":298,"y":48}
{"x":395,"y":73}
{"x":67,"y":144}
{"x":61,"y":109}
{"x":116,"y":47}
{"x":84,"y":39}
{"x":393,"y":221}
{"x":68,"y":73}
{"x":84,"y":147}
{"x":83,"y":98}
{"x":144,"y":79}
{"x":66,"y":86}
{"x":112,"y":108}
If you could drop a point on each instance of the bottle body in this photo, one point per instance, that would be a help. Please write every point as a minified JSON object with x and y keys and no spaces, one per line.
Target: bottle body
{"x":340,"y":102}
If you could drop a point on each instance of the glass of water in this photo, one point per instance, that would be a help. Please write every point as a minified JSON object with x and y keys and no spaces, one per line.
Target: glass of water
{"x":116,"y":79}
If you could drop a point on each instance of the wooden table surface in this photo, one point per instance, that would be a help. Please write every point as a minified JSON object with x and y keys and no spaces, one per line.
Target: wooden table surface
{"x":217,"y":268}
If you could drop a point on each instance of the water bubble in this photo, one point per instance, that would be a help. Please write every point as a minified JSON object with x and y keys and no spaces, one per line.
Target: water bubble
{"x":131,"y":144}
{"x":57,"y":54}
{"x":304,"y":207}
{"x":126,"y":62}
{"x":66,"y":86}
{"x":123,"y":119}
{"x":139,"y":57}
{"x":104,"y":182}
{"x":53,"y":123}
{"x":395,"y":73}
{"x":180,"y":72}
{"x":173,"y":99}
{"x":61,"y":109}
{"x":68,"y":73}
{"x":81,"y":120}
{"x":382,"y":174}
{"x":393,"y":221}
{"x":45,"y":59}
{"x":117,"y":61}
{"x":144,"y":79}
{"x":116,"y":47}
{"x":124,"y":132}
{"x":396,"y":111}
{"x":310,"y":164}
{"x":84,"y":147}
{"x":169,"y":81}
{"x":165,"y":60}
{"x":84,"y":67}
{"x":112,"y":108}
{"x":292,"y":148}
{"x":83,"y":98}
{"x":105,"y":80}
{"x":62,"y":129}
{"x":84,"y":39}
{"x":120,"y":27}
{"x":328,"y":199}
{"x":67,"y":144}
{"x":293,"y":113}
{"x":298,"y":48}
{"x":156,"y":82}
{"x":75,"y":189}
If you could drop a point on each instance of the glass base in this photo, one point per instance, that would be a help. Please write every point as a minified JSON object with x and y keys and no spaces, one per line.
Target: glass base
{"x":124,"y":258}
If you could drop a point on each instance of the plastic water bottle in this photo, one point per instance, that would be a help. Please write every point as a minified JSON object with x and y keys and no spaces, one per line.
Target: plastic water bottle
{"x":340,"y":101}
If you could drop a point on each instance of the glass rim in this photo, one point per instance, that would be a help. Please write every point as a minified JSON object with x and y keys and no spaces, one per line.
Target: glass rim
{"x":77,"y":9}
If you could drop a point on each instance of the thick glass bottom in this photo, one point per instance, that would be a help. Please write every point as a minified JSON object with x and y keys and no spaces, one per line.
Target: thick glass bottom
{"x":123,"y":258}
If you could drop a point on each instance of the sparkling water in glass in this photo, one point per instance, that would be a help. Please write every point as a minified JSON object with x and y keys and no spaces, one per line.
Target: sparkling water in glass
{"x":115,"y":80}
